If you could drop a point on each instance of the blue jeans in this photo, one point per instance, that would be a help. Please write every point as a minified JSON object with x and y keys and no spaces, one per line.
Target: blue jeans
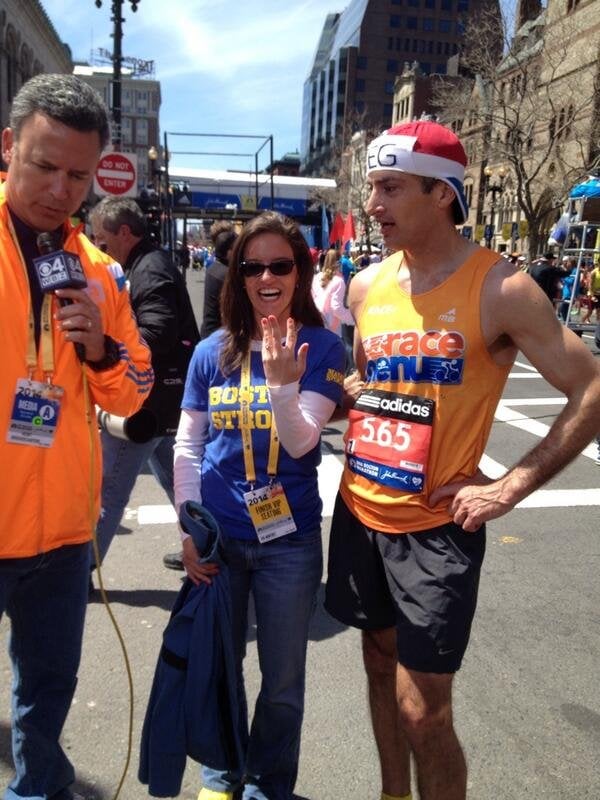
{"x":45,"y":597}
{"x":283,"y":576}
{"x":122,"y":462}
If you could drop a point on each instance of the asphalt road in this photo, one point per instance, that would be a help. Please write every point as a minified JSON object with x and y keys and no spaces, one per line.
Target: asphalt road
{"x":527,"y":699}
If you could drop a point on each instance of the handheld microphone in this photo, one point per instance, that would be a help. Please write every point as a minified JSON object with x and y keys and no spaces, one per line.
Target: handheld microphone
{"x":59,"y":269}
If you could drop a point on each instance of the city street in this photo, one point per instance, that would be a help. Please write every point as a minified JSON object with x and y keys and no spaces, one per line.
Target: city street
{"x":527,"y":699}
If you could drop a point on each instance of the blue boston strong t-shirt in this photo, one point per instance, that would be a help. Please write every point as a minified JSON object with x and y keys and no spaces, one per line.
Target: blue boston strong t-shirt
{"x":223,"y":472}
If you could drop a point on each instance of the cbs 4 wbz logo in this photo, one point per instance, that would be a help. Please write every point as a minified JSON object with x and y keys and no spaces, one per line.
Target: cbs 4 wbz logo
{"x":59,"y":269}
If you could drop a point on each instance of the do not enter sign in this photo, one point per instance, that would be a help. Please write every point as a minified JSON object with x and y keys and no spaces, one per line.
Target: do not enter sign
{"x":116,"y":174}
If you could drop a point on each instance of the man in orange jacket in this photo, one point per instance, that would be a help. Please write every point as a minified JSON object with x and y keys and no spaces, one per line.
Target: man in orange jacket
{"x":65,"y":351}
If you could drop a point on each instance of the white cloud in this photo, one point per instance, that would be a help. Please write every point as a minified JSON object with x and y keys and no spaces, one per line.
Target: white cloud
{"x":223,"y":66}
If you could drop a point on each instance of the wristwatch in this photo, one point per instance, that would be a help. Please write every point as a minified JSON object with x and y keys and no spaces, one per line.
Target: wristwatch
{"x":111,"y":356}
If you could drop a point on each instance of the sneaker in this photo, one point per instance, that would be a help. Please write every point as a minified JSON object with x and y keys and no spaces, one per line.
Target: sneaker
{"x":211,"y":794}
{"x":174,"y":561}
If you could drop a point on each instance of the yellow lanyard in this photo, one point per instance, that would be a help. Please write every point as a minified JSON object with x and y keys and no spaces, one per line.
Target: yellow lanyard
{"x":246,"y":428}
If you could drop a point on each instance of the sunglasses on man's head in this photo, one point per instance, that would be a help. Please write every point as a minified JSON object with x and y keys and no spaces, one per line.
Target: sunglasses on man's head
{"x":281,"y":266}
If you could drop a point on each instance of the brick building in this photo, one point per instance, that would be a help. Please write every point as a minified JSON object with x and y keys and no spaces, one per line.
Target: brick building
{"x":29,"y":45}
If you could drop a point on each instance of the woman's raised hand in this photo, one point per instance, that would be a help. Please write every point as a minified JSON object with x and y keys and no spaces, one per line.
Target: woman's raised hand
{"x":280,"y":362}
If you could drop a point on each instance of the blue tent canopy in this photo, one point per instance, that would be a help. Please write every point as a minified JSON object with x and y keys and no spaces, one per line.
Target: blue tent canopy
{"x":589,"y":188}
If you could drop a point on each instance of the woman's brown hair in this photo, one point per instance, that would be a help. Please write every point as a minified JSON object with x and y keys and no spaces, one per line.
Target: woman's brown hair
{"x":237,"y":314}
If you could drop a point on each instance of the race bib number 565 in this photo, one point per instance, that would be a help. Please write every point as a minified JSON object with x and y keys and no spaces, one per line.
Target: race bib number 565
{"x":389,"y":438}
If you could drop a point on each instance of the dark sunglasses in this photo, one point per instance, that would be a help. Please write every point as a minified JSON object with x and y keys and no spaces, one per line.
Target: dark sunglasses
{"x":281,"y":266}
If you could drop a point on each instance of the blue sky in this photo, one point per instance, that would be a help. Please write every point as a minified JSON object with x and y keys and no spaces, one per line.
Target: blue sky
{"x":224,"y":67}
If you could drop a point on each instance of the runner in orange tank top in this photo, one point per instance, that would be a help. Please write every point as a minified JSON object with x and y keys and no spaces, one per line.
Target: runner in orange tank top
{"x":438,"y":326}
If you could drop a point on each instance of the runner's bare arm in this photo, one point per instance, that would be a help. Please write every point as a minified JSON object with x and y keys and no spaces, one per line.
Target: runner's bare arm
{"x":516,"y":314}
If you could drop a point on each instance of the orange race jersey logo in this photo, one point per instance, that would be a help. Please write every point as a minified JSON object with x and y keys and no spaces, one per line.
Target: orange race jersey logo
{"x":432,"y":356}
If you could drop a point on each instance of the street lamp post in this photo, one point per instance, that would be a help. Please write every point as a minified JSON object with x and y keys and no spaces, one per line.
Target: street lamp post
{"x":117,"y":59}
{"x":494,"y":184}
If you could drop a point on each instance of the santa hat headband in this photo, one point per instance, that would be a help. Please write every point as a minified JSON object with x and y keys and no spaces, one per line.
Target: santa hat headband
{"x":426,"y":149}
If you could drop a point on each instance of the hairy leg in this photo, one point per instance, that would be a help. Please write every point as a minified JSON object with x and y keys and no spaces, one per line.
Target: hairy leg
{"x":381,"y":662}
{"x":425,"y":704}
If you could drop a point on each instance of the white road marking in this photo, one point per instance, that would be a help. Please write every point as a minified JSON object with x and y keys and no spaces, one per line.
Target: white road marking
{"x":544,"y":498}
{"x":504,"y":413}
{"x":330,"y":469}
{"x":525,"y":366}
{"x":156,"y":515}
{"x":536,"y":401}
{"x":560,"y":498}
{"x":493,"y":469}
{"x":524,"y":375}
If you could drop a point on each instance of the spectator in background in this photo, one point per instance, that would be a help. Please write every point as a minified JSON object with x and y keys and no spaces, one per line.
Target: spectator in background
{"x":547,"y":274}
{"x":348,"y":267}
{"x":328,"y":291}
{"x":223,"y":236}
{"x":594,"y":291}
{"x":569,"y":287}
{"x":365,"y":258}
{"x":164,"y":314}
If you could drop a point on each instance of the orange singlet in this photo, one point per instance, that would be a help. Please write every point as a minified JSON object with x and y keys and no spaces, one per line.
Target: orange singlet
{"x":428,"y":406}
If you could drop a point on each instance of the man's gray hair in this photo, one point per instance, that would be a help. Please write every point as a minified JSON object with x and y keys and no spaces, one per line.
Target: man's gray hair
{"x":112,"y":212}
{"x":65,"y":98}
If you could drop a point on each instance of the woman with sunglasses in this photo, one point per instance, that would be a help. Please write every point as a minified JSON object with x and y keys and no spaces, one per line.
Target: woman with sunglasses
{"x":257,"y":396}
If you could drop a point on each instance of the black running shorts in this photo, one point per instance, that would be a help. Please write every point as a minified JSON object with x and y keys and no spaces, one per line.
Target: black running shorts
{"x":424,"y":584}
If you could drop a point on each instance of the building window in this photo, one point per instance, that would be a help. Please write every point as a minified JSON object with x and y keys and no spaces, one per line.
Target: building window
{"x":387,"y":110}
{"x":396,"y":2}
{"x":415,"y":45}
{"x":141,"y":131}
{"x":395,"y":21}
{"x":392,"y":65}
{"x":445,"y":26}
{"x":429,"y":4}
{"x":359,"y":85}
{"x":11,"y":67}
{"x":425,"y":66}
{"x":360,"y":106}
{"x":389,"y":87}
{"x":414,"y":3}
{"x":440,"y":69}
{"x":390,"y":42}
{"x":462,"y":6}
{"x":361,"y":62}
{"x":411,"y":23}
{"x":428,"y":24}
{"x":446,"y":5}
{"x":430,"y":45}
